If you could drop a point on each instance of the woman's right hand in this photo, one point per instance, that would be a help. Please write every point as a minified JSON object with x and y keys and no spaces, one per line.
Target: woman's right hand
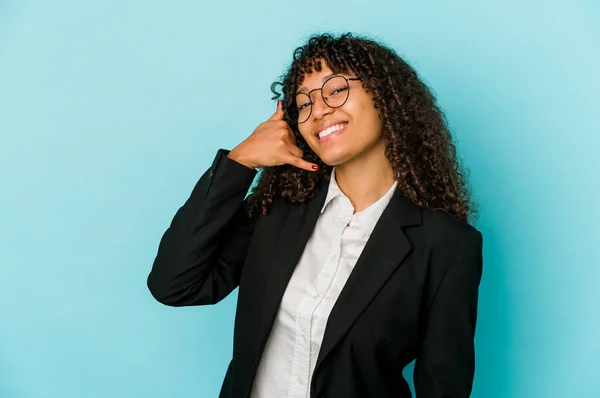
{"x":271,"y":144}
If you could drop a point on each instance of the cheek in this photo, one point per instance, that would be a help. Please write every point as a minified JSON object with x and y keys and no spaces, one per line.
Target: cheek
{"x":369,"y":118}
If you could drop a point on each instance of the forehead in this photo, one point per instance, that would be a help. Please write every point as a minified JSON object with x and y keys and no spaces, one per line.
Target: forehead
{"x":312,"y":78}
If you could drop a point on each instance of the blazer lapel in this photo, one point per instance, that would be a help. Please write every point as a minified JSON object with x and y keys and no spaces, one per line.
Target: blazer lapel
{"x":298,"y":227}
{"x":386,"y":248}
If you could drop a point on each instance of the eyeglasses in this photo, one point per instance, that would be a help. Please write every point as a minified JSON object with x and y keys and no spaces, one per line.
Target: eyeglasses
{"x":335,"y":92}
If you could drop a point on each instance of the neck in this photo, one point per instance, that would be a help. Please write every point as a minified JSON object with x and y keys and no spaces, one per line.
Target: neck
{"x":365,"y":178}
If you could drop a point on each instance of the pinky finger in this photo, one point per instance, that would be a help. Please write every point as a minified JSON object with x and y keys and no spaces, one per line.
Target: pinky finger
{"x":301,"y":163}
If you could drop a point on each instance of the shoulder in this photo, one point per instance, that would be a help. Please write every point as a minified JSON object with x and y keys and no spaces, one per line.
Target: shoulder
{"x":445,"y":241}
{"x":451,"y":249}
{"x":442,"y":229}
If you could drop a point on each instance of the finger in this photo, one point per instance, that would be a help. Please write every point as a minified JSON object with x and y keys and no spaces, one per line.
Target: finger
{"x":294,"y":150}
{"x":278,"y":115}
{"x":300,"y":163}
{"x":291,"y":137}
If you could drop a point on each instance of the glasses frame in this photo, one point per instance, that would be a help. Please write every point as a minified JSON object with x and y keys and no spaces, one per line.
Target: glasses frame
{"x":348,"y":79}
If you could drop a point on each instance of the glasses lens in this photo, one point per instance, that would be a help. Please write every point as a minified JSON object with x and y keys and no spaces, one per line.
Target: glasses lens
{"x":304,"y":105}
{"x":335,"y":91}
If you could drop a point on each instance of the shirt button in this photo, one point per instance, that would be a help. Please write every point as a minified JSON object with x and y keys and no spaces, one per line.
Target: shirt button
{"x":300,"y":380}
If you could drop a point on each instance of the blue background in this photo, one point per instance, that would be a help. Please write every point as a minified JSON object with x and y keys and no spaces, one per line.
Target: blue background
{"x":110,"y":111}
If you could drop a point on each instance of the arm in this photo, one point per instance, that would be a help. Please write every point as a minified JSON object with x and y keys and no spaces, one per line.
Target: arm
{"x":445,"y":366}
{"x":201,"y":254}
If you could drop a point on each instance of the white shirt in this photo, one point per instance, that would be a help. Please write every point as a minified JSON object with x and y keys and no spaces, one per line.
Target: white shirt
{"x":290,"y":355}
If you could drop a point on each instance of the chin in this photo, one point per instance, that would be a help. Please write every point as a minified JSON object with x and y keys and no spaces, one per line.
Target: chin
{"x":334,"y":159}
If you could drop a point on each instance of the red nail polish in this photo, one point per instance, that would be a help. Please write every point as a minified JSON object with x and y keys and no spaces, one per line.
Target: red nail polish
{"x":315,"y":167}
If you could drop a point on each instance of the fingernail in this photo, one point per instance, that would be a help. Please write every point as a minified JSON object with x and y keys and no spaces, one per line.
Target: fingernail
{"x":315,"y":167}
{"x":278,"y":101}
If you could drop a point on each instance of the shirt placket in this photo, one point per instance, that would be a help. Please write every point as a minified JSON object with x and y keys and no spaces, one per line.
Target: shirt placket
{"x":304,"y":351}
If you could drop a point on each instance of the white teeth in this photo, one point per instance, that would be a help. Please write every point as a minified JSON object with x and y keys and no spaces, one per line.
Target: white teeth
{"x":331,"y":129}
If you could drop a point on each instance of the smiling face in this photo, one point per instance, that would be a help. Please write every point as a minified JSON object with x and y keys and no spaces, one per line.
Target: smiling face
{"x":339,"y":135}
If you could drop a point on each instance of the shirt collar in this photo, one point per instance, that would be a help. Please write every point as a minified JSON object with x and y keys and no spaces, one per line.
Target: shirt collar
{"x":368,"y":217}
{"x":333,"y":190}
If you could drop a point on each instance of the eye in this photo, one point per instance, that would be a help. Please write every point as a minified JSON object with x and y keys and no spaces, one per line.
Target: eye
{"x":303,"y":106}
{"x":339,"y":90}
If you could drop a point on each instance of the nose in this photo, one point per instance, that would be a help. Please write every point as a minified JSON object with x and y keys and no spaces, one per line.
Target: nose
{"x":319,"y":107}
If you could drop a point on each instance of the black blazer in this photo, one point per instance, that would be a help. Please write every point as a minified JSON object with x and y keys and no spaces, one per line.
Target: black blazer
{"x":412,"y":294}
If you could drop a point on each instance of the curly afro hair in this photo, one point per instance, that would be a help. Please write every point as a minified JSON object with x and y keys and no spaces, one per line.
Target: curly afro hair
{"x":418,"y":142}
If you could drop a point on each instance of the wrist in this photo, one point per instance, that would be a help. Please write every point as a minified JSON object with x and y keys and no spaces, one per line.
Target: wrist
{"x":236,"y":156}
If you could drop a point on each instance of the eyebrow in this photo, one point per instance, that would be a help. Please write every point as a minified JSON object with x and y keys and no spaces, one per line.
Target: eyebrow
{"x":303,"y":89}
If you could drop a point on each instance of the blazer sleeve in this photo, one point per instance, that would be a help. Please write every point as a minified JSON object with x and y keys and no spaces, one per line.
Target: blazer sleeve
{"x":201,"y":254}
{"x":445,"y":366}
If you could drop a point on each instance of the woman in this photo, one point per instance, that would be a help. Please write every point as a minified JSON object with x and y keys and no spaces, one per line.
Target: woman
{"x":353,"y":253}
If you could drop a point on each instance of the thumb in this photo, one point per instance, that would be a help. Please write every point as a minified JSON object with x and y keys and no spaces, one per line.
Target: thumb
{"x":278,"y":115}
